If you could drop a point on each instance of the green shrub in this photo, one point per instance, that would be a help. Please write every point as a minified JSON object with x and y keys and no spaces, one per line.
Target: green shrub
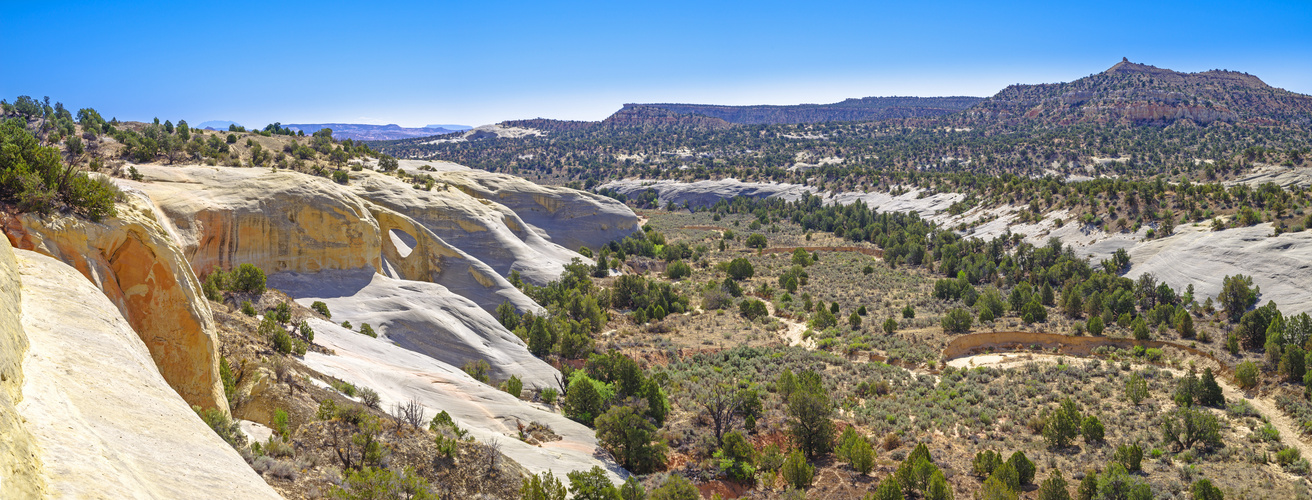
{"x":752,"y":309}
{"x":1092,"y":430}
{"x":365,"y":329}
{"x":475,"y":368}
{"x":675,"y":487}
{"x":631,"y":439}
{"x":1136,"y":389}
{"x":956,"y":321}
{"x":797,"y":473}
{"x":280,"y":424}
{"x":1024,"y":467}
{"x":514,"y":386}
{"x":321,"y":308}
{"x":229,"y":381}
{"x":740,"y":269}
{"x":247,"y":278}
{"x":736,"y":457}
{"x":225,"y":427}
{"x":369,"y":397}
{"x":34,"y":178}
{"x":1129,"y":456}
{"x":1063,"y":425}
{"x":282,"y":313}
{"x":369,"y":483}
{"x":985,"y":463}
{"x":678,"y":270}
{"x":1095,"y":326}
{"x":1246,"y":375}
{"x":1054,"y":488}
{"x":306,"y":332}
{"x":888,"y":490}
{"x":1202,"y":489}
{"x":247,"y":308}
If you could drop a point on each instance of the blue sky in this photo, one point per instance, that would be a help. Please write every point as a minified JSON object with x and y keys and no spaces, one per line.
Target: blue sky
{"x":470,"y":62}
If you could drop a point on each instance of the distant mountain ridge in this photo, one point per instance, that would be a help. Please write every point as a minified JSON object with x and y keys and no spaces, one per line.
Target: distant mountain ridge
{"x":850,"y":110}
{"x":363,"y":132}
{"x":217,"y":124}
{"x":1139,"y":94}
{"x":1129,"y":94}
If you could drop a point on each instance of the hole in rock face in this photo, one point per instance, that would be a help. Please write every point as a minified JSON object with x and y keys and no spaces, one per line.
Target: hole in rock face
{"x":403,"y":241}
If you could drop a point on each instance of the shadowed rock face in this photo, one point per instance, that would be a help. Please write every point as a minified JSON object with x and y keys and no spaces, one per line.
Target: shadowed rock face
{"x":103,"y":420}
{"x":423,"y":317}
{"x":137,"y":265}
{"x":491,"y":231}
{"x":566,"y":217}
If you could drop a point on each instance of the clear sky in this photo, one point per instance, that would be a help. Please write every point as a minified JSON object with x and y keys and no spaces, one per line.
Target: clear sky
{"x":477,"y":62}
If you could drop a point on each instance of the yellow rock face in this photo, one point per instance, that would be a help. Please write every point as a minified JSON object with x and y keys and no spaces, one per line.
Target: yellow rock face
{"x":282,"y":221}
{"x":141,"y":270}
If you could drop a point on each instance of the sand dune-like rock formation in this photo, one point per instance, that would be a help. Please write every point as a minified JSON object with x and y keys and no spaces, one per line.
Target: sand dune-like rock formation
{"x":567,"y":217}
{"x":420,"y":316}
{"x":490,"y":415}
{"x":105,"y":422}
{"x":136,"y":264}
{"x":705,"y":193}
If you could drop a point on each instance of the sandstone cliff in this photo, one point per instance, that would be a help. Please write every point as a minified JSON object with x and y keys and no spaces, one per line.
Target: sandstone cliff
{"x":106,"y":424}
{"x":137,"y":265}
{"x":491,"y":231}
{"x":424,"y":268}
{"x":291,"y":222}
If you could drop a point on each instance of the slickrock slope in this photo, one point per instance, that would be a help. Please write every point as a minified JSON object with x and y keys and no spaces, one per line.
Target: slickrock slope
{"x":106,"y":423}
{"x":424,"y":317}
{"x":705,"y":193}
{"x":137,"y":265}
{"x":490,"y":231}
{"x":567,"y":217}
{"x":20,"y":463}
{"x":490,"y":415}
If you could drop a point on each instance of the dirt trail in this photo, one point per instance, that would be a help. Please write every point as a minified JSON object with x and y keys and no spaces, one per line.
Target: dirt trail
{"x":795,"y":331}
{"x":1290,"y":433}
